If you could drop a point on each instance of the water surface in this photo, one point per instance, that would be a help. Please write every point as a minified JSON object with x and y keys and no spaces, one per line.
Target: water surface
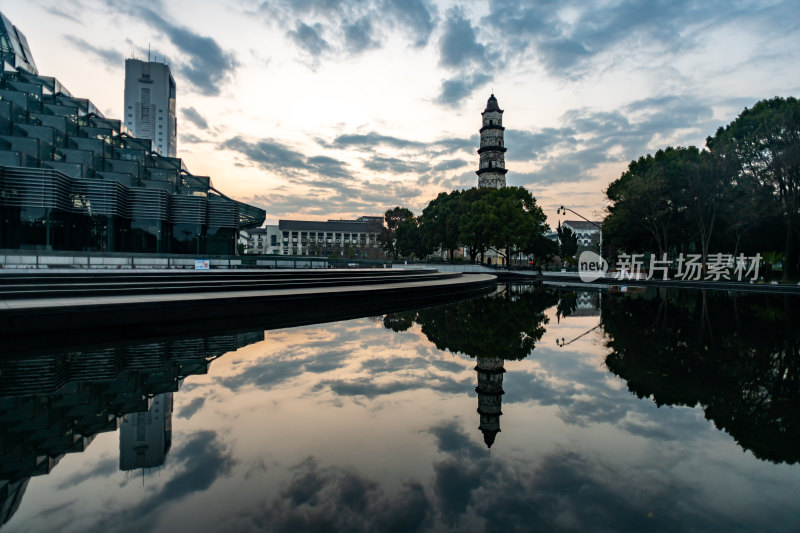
{"x":525,"y":410}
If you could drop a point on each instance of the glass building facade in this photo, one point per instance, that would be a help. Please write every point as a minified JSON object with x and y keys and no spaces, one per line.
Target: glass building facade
{"x":71,"y":179}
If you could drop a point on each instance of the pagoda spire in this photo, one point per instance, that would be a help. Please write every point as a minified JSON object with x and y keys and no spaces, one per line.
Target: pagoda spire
{"x":492,"y":166}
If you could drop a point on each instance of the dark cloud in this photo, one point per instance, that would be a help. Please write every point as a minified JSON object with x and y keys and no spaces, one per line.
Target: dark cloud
{"x":269,"y":371}
{"x":318,"y":498}
{"x":588,"y":138}
{"x":369,"y":142}
{"x":449,"y":164}
{"x":325,"y":28}
{"x":273,"y":156}
{"x":455,"y":90}
{"x":194,"y":464}
{"x":64,"y":14}
{"x":109,"y":56}
{"x":414,"y":15}
{"x":308,"y":38}
{"x":393,"y":165}
{"x":193,"y":116}
{"x":188,"y":138}
{"x":102,"y":469}
{"x":460,"y":50}
{"x":566,"y":45}
{"x":202,"y":62}
{"x":458,"y":46}
{"x":369,"y":388}
{"x":359,"y":35}
{"x":192,"y":407}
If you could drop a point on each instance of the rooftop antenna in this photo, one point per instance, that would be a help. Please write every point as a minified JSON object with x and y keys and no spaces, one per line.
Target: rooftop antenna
{"x":148,"y":52}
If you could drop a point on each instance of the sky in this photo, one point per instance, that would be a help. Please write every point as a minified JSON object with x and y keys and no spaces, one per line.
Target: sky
{"x":318,"y":109}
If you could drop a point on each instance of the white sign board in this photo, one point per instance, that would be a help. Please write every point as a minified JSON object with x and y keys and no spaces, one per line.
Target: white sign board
{"x":201,"y":264}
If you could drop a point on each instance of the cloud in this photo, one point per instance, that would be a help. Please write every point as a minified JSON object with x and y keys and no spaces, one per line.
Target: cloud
{"x":193,"y":116}
{"x":318,"y":498}
{"x":393,"y":165}
{"x":274,"y":156}
{"x":456,"y":89}
{"x":359,"y":35}
{"x":193,"y":467}
{"x":414,"y":15}
{"x":458,"y":46}
{"x":588,"y":138}
{"x":109,"y":56}
{"x":202,"y":62}
{"x":309,"y":38}
{"x":192,"y":407}
{"x":460,"y":50}
{"x":338,"y":29}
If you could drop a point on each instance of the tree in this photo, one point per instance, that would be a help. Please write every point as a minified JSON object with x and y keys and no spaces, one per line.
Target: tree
{"x":568,"y":240}
{"x":393,"y":218}
{"x":409,"y":239}
{"x":439,"y":223}
{"x":760,"y":150}
{"x":478,"y":219}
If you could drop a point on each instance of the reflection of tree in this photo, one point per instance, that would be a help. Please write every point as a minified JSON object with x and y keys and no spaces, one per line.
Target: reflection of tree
{"x":567,"y":302}
{"x":737,"y":357}
{"x":504,"y":325}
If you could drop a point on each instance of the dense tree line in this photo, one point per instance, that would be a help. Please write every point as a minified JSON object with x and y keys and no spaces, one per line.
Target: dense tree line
{"x":675,"y":347}
{"x":506,"y":220}
{"x":740,"y":194}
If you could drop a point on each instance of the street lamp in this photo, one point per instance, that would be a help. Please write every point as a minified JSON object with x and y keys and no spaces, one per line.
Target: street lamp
{"x":563,"y":210}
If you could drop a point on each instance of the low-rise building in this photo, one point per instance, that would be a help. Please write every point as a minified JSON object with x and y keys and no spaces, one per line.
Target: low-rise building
{"x":359,"y":238}
{"x":588,"y":233}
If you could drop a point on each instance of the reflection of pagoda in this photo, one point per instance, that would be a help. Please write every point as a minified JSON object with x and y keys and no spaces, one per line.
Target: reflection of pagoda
{"x":490,"y":394}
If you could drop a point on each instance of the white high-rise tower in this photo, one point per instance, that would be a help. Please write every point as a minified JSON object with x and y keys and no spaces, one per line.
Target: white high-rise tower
{"x":492,"y":171}
{"x":150,"y":104}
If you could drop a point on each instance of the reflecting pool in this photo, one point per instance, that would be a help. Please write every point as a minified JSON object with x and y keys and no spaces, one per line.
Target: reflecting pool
{"x":529,"y":409}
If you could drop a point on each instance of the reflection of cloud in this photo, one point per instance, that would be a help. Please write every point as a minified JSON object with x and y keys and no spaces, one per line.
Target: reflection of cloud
{"x":192,"y":407}
{"x":104,"y":468}
{"x":272,"y":370}
{"x":193,"y":467}
{"x":320,"y":498}
{"x":369,"y":388}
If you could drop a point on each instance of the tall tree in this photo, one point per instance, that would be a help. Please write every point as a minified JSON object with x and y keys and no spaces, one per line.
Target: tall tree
{"x":439,"y":222}
{"x":393,"y":218}
{"x":761,"y":149}
{"x":568,"y":240}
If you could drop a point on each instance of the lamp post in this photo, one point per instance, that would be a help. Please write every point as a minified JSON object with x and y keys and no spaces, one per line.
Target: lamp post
{"x":564,"y":210}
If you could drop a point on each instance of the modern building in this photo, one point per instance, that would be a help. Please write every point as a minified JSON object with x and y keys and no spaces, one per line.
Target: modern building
{"x":14,"y":49}
{"x":359,"y":238}
{"x":588,"y":233}
{"x":150,"y":111}
{"x":72,"y":179}
{"x":492,"y":171}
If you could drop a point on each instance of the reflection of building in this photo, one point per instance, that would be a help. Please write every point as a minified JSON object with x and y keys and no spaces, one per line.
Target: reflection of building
{"x":146,"y":437}
{"x":72,"y":179}
{"x":587,"y":304}
{"x":347,"y":238}
{"x":54,"y":404}
{"x":490,"y":396}
{"x":150,"y":104}
{"x":492,"y":171}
